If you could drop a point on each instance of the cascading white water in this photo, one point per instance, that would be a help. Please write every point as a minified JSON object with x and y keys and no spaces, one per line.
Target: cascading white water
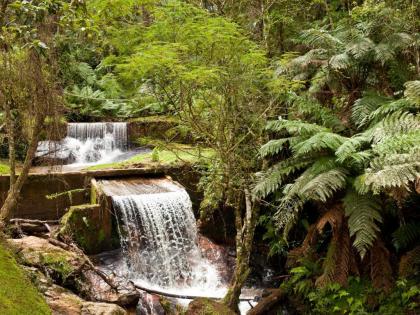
{"x":87,"y":143}
{"x":159,"y":241}
{"x":96,"y":142}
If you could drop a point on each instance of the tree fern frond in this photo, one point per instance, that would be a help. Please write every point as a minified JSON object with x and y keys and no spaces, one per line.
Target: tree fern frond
{"x":363,"y":107}
{"x":360,"y":48}
{"x":389,"y":108}
{"x":294,"y":127}
{"x":273,"y":147}
{"x":406,"y":235}
{"x":340,"y":62}
{"x":350,"y":147}
{"x":395,"y":123}
{"x":319,"y":38}
{"x":399,"y":143}
{"x":274,"y":177}
{"x":392,"y":171}
{"x":363,"y":218}
{"x":412,"y":92}
{"x":318,"y":142}
{"x":287,"y":213}
{"x":384,"y":53}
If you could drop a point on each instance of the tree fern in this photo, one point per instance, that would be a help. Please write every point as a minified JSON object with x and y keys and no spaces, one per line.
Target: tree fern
{"x":363,"y":108}
{"x":412,"y":92}
{"x":294,"y":127}
{"x":363,"y":212}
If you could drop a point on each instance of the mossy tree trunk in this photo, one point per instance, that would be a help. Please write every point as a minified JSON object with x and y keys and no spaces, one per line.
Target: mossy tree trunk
{"x":245,"y":229}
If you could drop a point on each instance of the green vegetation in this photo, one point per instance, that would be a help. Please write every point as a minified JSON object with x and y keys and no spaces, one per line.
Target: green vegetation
{"x":171,"y":155}
{"x":17,"y":294}
{"x":304,"y":117}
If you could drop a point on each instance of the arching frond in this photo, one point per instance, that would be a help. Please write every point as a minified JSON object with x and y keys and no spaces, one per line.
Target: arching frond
{"x":360,"y":48}
{"x":363,"y":218}
{"x":318,"y":142}
{"x":395,"y":123}
{"x":399,"y":143}
{"x":363,"y":107}
{"x":389,"y":108}
{"x":318,"y":182}
{"x":412,"y":92}
{"x":351,"y":146}
{"x":272,"y":179}
{"x":319,"y":38}
{"x":384,"y":53}
{"x":273,"y":147}
{"x":295,"y":127}
{"x":340,"y":61}
{"x":392,"y":171}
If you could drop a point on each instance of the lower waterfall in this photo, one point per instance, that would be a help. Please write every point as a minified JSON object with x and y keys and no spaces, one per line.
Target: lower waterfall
{"x":158,"y":237}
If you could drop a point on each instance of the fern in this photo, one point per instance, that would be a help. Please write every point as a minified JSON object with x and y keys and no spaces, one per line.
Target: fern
{"x":273,"y":147}
{"x":412,"y":92}
{"x":392,"y":171}
{"x":363,"y":218}
{"x":363,"y":108}
{"x":318,"y":142}
{"x":274,"y":177}
{"x":406,"y":235}
{"x":294,"y":127}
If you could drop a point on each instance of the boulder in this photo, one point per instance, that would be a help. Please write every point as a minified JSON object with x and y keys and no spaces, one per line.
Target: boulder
{"x":204,"y":306}
{"x":64,"y":302}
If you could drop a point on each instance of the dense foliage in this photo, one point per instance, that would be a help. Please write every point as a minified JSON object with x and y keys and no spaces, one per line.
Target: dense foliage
{"x":310,"y":107}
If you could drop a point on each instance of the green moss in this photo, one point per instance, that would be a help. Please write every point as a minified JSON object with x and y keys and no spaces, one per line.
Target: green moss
{"x":17,"y":294}
{"x":156,"y":118}
{"x":170,"y":155}
{"x":58,"y":263}
{"x":4,"y":169}
{"x":86,"y":226}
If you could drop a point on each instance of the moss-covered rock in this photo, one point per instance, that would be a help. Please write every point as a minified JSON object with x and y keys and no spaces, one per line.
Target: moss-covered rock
{"x":204,"y":306}
{"x":17,"y":294}
{"x":89,"y":226}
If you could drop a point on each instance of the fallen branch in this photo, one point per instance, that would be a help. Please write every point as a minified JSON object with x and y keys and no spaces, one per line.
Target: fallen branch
{"x":89,"y":264}
{"x":18,"y":220}
{"x":267,"y":303}
{"x":182,"y":296}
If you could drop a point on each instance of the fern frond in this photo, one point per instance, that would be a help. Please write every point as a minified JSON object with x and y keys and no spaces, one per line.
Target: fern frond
{"x":406,"y":235}
{"x":363,"y":107}
{"x":384,"y":53}
{"x":412,"y":92}
{"x":294,"y":127}
{"x":340,"y":62}
{"x":319,"y":38}
{"x":392,"y":171}
{"x":271,"y":180}
{"x":360,"y":48}
{"x":389,"y":108}
{"x":400,"y":143}
{"x":318,"y":142}
{"x":363,"y":218}
{"x":350,"y":147}
{"x":273,"y":147}
{"x":395,"y":123}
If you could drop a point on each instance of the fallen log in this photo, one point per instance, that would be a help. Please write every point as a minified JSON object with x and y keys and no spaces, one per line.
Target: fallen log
{"x":32,"y":221}
{"x":183,"y":296}
{"x":267,"y":303}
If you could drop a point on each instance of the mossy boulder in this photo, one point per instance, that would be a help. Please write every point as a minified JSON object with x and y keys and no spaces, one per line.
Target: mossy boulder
{"x":204,"y":306}
{"x":55,"y":261}
{"x":89,"y":226}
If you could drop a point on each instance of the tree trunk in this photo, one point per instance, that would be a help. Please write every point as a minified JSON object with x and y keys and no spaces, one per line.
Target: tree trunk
{"x":10,"y":126}
{"x":244,"y":239}
{"x":13,"y":194}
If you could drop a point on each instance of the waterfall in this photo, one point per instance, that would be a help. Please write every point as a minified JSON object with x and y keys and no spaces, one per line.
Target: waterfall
{"x":87,"y":143}
{"x":159,"y":238}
